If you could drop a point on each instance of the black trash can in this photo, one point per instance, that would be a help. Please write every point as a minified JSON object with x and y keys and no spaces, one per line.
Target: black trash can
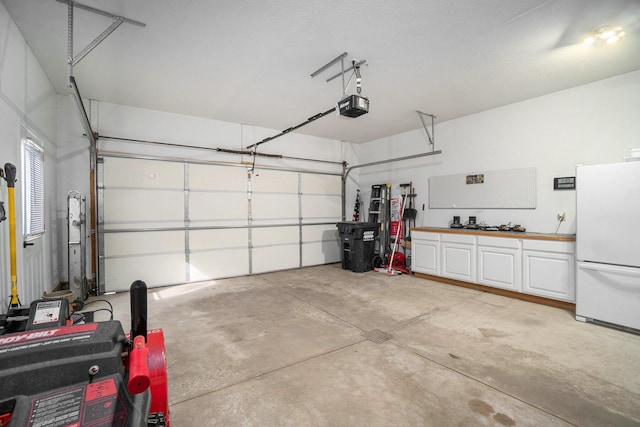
{"x":357,"y":244}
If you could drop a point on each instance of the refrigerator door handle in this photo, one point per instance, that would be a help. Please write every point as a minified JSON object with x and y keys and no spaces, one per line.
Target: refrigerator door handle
{"x":608,"y":268}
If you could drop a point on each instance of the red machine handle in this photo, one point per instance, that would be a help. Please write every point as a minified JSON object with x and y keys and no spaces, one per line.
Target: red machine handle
{"x":138,"y":366}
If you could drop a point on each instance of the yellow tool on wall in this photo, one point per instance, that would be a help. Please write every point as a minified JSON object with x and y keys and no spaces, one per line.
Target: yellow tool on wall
{"x":10,"y":177}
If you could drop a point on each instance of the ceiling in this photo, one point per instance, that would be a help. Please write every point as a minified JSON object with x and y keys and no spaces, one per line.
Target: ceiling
{"x":249,"y":61}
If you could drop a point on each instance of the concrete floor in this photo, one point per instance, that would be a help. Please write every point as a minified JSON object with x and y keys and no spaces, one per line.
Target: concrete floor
{"x":322,"y":346}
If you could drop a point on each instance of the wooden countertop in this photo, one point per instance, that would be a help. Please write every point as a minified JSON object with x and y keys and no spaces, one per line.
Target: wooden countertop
{"x":508,"y":234}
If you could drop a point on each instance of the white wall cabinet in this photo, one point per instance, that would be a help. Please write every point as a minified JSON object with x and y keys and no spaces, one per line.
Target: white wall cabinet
{"x":425,"y":252}
{"x":500,"y":262}
{"x":549,"y":269}
{"x":531,"y":265}
{"x":459,"y":257}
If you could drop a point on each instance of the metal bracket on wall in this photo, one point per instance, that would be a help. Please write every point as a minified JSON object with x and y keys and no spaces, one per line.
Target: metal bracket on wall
{"x":72,"y":59}
{"x":431,"y":136}
{"x":347,"y":170}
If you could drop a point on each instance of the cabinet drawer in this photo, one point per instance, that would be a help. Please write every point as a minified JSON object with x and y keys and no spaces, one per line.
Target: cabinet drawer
{"x":425,"y":235}
{"x":459,"y":238}
{"x":549,"y":246}
{"x":499,"y":242}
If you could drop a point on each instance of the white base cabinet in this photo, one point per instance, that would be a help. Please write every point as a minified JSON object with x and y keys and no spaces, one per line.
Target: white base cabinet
{"x":459,"y":257}
{"x":549,"y":269}
{"x":500,"y":263}
{"x":534,"y":266}
{"x":425,"y":253}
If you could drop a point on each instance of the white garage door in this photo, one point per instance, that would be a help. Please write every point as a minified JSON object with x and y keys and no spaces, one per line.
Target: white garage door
{"x":170,"y":222}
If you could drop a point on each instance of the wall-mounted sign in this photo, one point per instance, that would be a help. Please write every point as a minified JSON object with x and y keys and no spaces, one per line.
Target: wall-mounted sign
{"x":564,"y":183}
{"x":475,"y":179}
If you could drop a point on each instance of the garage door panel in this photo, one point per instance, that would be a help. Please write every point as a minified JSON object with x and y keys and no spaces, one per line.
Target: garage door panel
{"x":275,"y":206}
{"x":275,"y":236}
{"x":317,"y":253}
{"x":131,"y":206}
{"x":216,"y":239}
{"x":214,"y":177}
{"x":219,"y":263}
{"x":325,"y":184}
{"x":136,"y":243}
{"x":213,"y":223}
{"x":139,"y":173}
{"x":154,"y":270}
{"x":320,"y":244}
{"x":321,"y":207}
{"x":265,"y":180}
{"x":315,"y":233}
{"x":210,"y":206}
{"x":275,"y":258}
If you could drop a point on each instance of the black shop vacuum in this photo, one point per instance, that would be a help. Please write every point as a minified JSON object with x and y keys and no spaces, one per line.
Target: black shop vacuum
{"x":59,"y":368}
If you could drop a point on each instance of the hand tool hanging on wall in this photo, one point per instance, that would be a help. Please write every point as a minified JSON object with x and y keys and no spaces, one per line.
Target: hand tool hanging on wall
{"x":409,"y":220}
{"x":410,"y":212}
{"x":10,"y":177}
{"x":394,"y":267}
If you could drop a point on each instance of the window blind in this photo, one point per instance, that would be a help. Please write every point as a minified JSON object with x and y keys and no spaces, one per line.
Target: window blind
{"x":33,"y":189}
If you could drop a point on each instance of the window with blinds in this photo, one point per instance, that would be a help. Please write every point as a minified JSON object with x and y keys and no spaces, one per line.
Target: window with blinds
{"x":33,"y":182}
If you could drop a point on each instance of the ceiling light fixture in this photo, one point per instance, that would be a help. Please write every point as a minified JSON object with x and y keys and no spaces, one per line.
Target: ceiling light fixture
{"x":606,"y":35}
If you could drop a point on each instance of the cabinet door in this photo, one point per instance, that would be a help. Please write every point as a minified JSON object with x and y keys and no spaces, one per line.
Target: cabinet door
{"x":425,"y":256}
{"x":459,"y":261}
{"x":549,"y":274}
{"x":500,"y":267}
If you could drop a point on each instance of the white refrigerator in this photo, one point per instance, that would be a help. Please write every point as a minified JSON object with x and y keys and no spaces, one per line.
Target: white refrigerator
{"x":608,"y":244}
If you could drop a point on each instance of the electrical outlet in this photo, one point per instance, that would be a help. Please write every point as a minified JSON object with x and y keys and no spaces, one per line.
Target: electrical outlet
{"x":562,"y":216}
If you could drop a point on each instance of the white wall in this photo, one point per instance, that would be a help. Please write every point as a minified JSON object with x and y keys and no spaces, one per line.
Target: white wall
{"x":590,"y":124}
{"x":26,"y":99}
